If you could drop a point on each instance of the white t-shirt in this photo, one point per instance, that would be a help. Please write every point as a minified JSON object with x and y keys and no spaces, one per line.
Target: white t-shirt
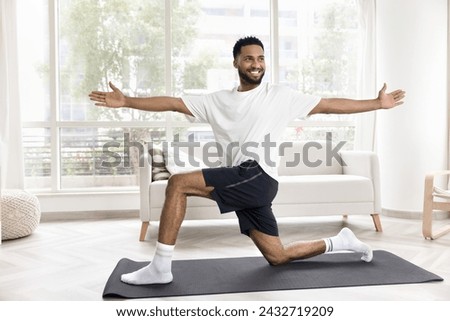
{"x":248,"y":124}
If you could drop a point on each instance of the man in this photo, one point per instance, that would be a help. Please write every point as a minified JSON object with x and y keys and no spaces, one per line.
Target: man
{"x":249,"y":113}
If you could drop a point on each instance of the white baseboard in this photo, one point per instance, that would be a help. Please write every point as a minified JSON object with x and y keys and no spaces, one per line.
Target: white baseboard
{"x":88,"y":202}
{"x":416,"y":215}
{"x":87,"y":215}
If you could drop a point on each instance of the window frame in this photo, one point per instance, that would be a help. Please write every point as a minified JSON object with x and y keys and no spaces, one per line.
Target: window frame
{"x":55,"y":124}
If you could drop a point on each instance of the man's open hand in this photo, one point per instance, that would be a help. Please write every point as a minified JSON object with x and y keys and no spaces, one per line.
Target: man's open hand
{"x":392,"y":99}
{"x":112,"y":99}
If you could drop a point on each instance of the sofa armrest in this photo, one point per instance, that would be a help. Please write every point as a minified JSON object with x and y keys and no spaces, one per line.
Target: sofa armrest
{"x":366,"y":164}
{"x":145,"y":178}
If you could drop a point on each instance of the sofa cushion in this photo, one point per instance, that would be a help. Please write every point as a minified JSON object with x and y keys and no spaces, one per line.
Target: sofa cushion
{"x":308,"y":158}
{"x":178,"y":161}
{"x":324,"y":189}
{"x":306,"y":189}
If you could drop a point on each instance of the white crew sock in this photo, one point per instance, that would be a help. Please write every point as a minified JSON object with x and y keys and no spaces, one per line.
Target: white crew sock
{"x":159,"y":271}
{"x":347,"y":241}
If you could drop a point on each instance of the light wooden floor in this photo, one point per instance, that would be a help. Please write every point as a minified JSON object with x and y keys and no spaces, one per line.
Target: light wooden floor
{"x":71,"y":260}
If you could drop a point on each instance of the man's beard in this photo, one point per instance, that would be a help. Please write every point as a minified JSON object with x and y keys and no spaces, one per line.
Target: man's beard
{"x":244,"y":77}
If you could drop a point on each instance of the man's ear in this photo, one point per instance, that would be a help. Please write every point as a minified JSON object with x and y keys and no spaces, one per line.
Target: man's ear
{"x":235,"y":63}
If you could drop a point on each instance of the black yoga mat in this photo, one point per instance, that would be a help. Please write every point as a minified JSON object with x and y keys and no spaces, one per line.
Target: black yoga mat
{"x":251,"y":274}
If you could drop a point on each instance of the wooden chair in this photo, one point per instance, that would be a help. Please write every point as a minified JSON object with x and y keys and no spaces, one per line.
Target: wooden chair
{"x":435,"y":198}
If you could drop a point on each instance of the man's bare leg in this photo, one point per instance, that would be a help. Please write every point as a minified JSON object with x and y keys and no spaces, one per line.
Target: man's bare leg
{"x":276,"y":253}
{"x":179,"y":187}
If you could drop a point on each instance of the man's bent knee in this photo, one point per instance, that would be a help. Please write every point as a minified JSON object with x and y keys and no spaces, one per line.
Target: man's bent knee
{"x":188,"y":184}
{"x":175,"y":183}
{"x":276,"y":259}
{"x":175,"y":180}
{"x":270,"y":246}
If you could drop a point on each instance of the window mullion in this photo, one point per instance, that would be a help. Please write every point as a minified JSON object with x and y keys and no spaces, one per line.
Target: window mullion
{"x":54,"y":94}
{"x":168,"y":63}
{"x":274,"y":41}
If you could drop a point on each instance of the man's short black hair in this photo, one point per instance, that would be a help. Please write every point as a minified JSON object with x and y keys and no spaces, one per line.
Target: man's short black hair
{"x":246,"y":41}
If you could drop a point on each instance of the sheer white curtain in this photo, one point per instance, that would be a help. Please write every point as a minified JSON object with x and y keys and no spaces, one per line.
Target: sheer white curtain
{"x":10,"y":122}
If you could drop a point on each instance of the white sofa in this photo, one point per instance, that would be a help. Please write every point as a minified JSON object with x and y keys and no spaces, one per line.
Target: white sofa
{"x":318,"y":184}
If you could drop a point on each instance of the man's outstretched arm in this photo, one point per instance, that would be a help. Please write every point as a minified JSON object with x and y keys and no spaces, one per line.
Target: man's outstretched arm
{"x":116,"y":99}
{"x":350,"y":106}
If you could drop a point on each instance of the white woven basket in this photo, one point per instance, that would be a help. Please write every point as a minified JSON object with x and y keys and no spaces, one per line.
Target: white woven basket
{"x":20,"y":214}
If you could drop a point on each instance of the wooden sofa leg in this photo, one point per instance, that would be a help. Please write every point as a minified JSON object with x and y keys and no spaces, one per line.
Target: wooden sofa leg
{"x":144,"y":228}
{"x":377,"y":222}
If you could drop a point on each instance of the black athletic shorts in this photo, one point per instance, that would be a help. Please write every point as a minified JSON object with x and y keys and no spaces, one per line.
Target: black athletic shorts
{"x":247,"y":190}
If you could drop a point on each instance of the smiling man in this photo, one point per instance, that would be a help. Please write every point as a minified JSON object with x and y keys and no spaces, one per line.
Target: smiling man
{"x":249,"y":113}
{"x":249,"y":60}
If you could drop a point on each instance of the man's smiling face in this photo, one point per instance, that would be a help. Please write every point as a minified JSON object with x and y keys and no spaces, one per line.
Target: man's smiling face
{"x":251,"y":66}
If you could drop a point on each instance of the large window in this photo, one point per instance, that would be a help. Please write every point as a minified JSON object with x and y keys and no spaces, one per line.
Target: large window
{"x":162,"y":47}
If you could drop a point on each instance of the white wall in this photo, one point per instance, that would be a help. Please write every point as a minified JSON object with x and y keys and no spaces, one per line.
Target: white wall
{"x":412,"y":54}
